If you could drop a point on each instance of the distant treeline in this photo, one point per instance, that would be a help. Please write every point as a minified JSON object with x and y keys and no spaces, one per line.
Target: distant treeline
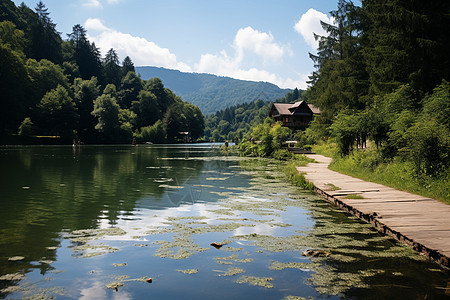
{"x":210,"y":92}
{"x":55,"y":87}
{"x":234,"y":122}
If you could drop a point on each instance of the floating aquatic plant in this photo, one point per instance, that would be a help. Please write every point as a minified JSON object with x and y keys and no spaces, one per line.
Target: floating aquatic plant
{"x":189,"y":271}
{"x":258,"y":281}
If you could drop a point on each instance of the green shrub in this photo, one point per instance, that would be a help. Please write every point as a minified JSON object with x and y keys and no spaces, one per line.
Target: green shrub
{"x":26,"y":127}
{"x":282,"y":154}
{"x":296,"y":178}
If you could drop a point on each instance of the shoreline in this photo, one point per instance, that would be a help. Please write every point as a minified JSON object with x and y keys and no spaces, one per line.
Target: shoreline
{"x":419,"y":222}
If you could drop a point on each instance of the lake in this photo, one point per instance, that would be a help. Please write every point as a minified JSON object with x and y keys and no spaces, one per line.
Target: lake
{"x":123,"y":222}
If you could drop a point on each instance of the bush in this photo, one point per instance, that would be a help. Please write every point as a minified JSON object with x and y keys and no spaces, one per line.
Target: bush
{"x":282,"y":154}
{"x":154,"y":133}
{"x":429,"y":147}
{"x":26,"y":127}
{"x":296,"y":178}
{"x":247,"y":148}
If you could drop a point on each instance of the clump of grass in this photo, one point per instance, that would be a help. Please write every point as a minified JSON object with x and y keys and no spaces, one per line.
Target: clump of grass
{"x":367,"y":165}
{"x":326,"y":149}
{"x":296,"y":178}
{"x":354,"y":196}
{"x":332,"y":187}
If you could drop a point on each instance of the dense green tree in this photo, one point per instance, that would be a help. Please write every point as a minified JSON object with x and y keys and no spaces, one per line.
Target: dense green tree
{"x":45,"y":76}
{"x":111,"y":68}
{"x":106,"y":110}
{"x":85,"y":92}
{"x":58,"y":113}
{"x":165,"y":97}
{"x":14,"y":80}
{"x":57,"y":84}
{"x":405,"y":42}
{"x":146,"y":109}
{"x":429,"y":147}
{"x":195,"y":120}
{"x":154,"y":133}
{"x":437,"y":105}
{"x":86,"y":55}
{"x":130,"y":88}
{"x":341,"y":80}
{"x":127,"y":66}
{"x":9,"y":12}
{"x":26,"y":127}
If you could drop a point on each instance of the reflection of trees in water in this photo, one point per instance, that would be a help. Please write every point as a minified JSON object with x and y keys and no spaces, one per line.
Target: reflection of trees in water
{"x":47,"y":190}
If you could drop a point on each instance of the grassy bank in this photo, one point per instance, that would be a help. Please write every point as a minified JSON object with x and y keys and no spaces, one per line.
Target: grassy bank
{"x":294,"y":176}
{"x":367,"y":165}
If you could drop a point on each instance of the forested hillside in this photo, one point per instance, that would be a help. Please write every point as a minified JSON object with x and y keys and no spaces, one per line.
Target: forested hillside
{"x":65,"y":89}
{"x":234,"y":122}
{"x":210,"y":92}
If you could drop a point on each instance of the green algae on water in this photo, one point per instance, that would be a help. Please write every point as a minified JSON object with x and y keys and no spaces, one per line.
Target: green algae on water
{"x":257,"y":281}
{"x":232,"y":271}
{"x":120,"y":265}
{"x":293,"y":265}
{"x":188,"y":271}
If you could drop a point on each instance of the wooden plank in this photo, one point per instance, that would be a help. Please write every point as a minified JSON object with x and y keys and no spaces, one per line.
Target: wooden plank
{"x":421,"y":222}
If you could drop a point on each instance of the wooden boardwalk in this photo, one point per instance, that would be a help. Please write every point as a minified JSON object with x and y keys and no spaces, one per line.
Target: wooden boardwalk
{"x":423,"y":223}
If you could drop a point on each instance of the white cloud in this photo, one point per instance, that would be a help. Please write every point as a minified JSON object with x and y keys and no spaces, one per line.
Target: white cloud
{"x":113,"y":1}
{"x":141,"y":51}
{"x":249,"y":44}
{"x":260,"y":43}
{"x":92,"y":3}
{"x":309,"y":24}
{"x":95,"y":25}
{"x":224,"y":65}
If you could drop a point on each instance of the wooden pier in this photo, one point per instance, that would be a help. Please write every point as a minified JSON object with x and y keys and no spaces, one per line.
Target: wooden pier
{"x":420,"y":222}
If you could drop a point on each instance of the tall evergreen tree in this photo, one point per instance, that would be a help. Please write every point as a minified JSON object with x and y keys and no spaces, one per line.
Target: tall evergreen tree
{"x":111,"y":68}
{"x":341,"y":79}
{"x":127,"y":66}
{"x":86,"y":55}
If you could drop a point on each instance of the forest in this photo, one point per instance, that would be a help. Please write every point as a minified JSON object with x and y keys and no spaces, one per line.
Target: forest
{"x":235,"y":122}
{"x":382,"y":85}
{"x":382,"y":76}
{"x":212,"y":93}
{"x":64,"y":90}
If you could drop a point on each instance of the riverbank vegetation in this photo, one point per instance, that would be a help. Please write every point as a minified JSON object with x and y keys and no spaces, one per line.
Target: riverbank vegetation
{"x":67,"y":90}
{"x":397,"y":173}
{"x":382,"y":85}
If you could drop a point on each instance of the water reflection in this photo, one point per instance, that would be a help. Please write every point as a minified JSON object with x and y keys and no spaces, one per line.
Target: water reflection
{"x":48,"y":190}
{"x":79,"y":220}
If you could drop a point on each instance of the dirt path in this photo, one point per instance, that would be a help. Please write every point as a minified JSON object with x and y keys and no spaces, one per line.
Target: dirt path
{"x":423,"y":223}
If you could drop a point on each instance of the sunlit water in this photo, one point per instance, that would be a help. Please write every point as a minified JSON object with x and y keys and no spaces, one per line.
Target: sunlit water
{"x":98,"y":222}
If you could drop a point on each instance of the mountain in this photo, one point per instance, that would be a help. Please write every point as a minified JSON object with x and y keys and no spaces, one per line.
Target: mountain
{"x":210,"y":92}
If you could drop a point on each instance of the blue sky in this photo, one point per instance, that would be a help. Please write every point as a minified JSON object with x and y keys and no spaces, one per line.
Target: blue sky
{"x":260,"y":40}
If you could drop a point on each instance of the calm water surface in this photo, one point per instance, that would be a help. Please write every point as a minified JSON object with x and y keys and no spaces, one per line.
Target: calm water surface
{"x":98,"y":222}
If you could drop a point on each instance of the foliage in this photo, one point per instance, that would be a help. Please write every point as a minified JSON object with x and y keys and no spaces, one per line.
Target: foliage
{"x":382,"y":80}
{"x":282,"y":154}
{"x":58,"y":112}
{"x":154,"y":133}
{"x":212,"y":93}
{"x":58,"y":85}
{"x":265,"y":139}
{"x":429,"y":147}
{"x":26,"y":127}
{"x":296,"y":178}
{"x":368,"y":164}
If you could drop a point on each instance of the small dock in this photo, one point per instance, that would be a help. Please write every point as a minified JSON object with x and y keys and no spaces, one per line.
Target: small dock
{"x":420,"y":222}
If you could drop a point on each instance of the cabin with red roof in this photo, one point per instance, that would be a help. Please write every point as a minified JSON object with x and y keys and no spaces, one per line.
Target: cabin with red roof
{"x":296,"y":116}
